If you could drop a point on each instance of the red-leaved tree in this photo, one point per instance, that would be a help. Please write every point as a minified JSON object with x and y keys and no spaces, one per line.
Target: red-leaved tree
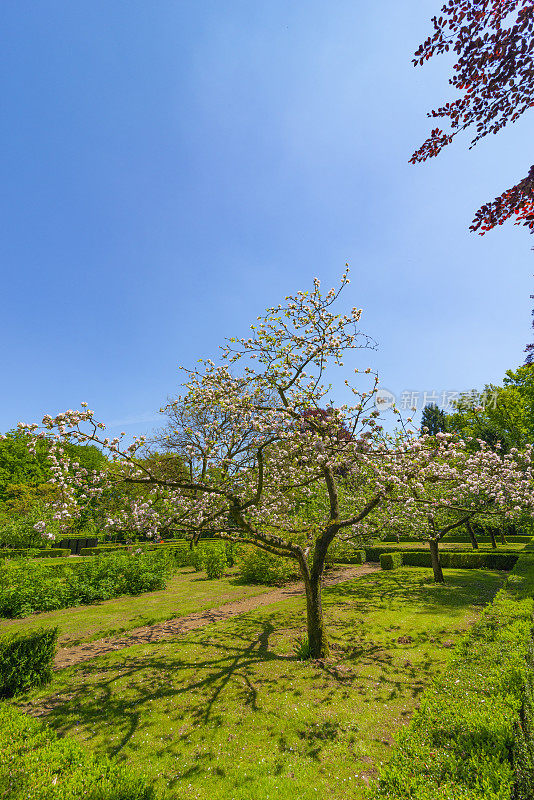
{"x":494,"y":73}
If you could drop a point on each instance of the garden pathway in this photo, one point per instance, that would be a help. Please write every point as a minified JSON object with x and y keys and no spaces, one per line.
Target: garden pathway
{"x":67,"y":656}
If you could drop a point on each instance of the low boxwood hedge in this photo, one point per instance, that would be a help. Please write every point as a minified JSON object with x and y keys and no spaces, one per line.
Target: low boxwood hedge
{"x":26,"y":660}
{"x":172,"y":546}
{"x":467,"y":741}
{"x":391,"y":560}
{"x":354,"y":557}
{"x":465,"y":560}
{"x":101,"y":548}
{"x":452,"y":559}
{"x":32,"y":553}
{"x":35,"y":764}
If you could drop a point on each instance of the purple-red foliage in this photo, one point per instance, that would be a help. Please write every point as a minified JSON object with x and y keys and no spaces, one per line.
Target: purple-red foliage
{"x":494,"y":72}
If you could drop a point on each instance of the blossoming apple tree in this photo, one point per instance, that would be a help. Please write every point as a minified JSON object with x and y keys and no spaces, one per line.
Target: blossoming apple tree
{"x":448,"y":484}
{"x":253,"y":448}
{"x":259,"y":437}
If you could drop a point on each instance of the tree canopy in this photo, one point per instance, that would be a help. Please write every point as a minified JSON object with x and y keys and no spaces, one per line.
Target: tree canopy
{"x":433,"y":419}
{"x":493,"y":41}
{"x":502,"y":416}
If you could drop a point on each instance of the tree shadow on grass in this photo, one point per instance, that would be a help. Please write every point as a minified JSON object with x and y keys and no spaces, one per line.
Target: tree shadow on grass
{"x":199,"y":674}
{"x":155,"y":675}
{"x":417,"y":588}
{"x":196,"y":677}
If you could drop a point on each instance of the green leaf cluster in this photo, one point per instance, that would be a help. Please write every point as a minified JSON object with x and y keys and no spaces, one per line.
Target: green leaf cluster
{"x":26,"y":660}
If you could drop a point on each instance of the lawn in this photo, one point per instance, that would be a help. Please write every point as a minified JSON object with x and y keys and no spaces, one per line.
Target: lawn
{"x":228,"y":712}
{"x":187,"y":591}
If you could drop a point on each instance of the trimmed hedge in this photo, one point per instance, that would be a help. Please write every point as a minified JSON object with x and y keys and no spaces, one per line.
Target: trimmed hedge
{"x":469,"y":560}
{"x":26,"y":660}
{"x":30,"y":553}
{"x":179,"y":550}
{"x":450,"y":559}
{"x":524,"y":737}
{"x":355,"y":557}
{"x":463,"y":743}
{"x":391,"y":560}
{"x":100,"y":549}
{"x":35,"y":764}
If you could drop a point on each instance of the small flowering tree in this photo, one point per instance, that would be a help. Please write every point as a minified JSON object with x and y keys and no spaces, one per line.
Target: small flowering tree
{"x":257,"y":441}
{"x":260,"y":440}
{"x":448,"y":484}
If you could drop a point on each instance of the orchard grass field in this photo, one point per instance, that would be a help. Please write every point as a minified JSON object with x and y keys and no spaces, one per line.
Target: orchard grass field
{"x":228,"y":711}
{"x":186,"y":592}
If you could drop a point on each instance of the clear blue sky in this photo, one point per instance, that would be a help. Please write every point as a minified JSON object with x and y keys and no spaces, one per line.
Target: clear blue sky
{"x":171,"y":168}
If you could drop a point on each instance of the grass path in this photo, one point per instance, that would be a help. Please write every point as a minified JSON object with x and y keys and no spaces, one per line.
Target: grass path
{"x":68,"y":656}
{"x":186,"y":592}
{"x":228,"y":712}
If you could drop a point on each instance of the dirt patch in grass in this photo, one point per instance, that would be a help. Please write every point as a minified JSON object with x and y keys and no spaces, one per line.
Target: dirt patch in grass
{"x":67,"y":656}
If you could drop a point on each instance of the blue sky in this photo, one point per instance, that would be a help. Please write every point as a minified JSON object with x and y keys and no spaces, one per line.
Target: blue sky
{"x":169,"y":169}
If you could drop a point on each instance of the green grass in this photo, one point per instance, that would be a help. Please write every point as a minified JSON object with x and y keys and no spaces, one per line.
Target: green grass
{"x":229,"y":713}
{"x":186,"y":592}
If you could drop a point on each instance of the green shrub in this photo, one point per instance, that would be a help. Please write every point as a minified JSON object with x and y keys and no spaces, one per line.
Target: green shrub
{"x":352,"y":557}
{"x":523,"y":755}
{"x":26,"y":586}
{"x":342,"y":552}
{"x":26,"y":660}
{"x":196,"y":558}
{"x":215,"y":561}
{"x":418,"y":558}
{"x":452,"y":559}
{"x":505,"y":561}
{"x":257,"y":566}
{"x":459,"y":743}
{"x":180,"y":553}
{"x":391,"y":560}
{"x":231,"y":553}
{"x":374,"y":553}
{"x":461,"y":560}
{"x":37,"y":765}
{"x":116,"y":574}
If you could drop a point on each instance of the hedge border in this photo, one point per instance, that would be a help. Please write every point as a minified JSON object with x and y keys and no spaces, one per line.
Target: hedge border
{"x":36,"y":763}
{"x":356,"y":557}
{"x":167,"y":545}
{"x":451,"y":559}
{"x":31,"y":553}
{"x":26,"y":659}
{"x":391,"y":560}
{"x":462,"y":742}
